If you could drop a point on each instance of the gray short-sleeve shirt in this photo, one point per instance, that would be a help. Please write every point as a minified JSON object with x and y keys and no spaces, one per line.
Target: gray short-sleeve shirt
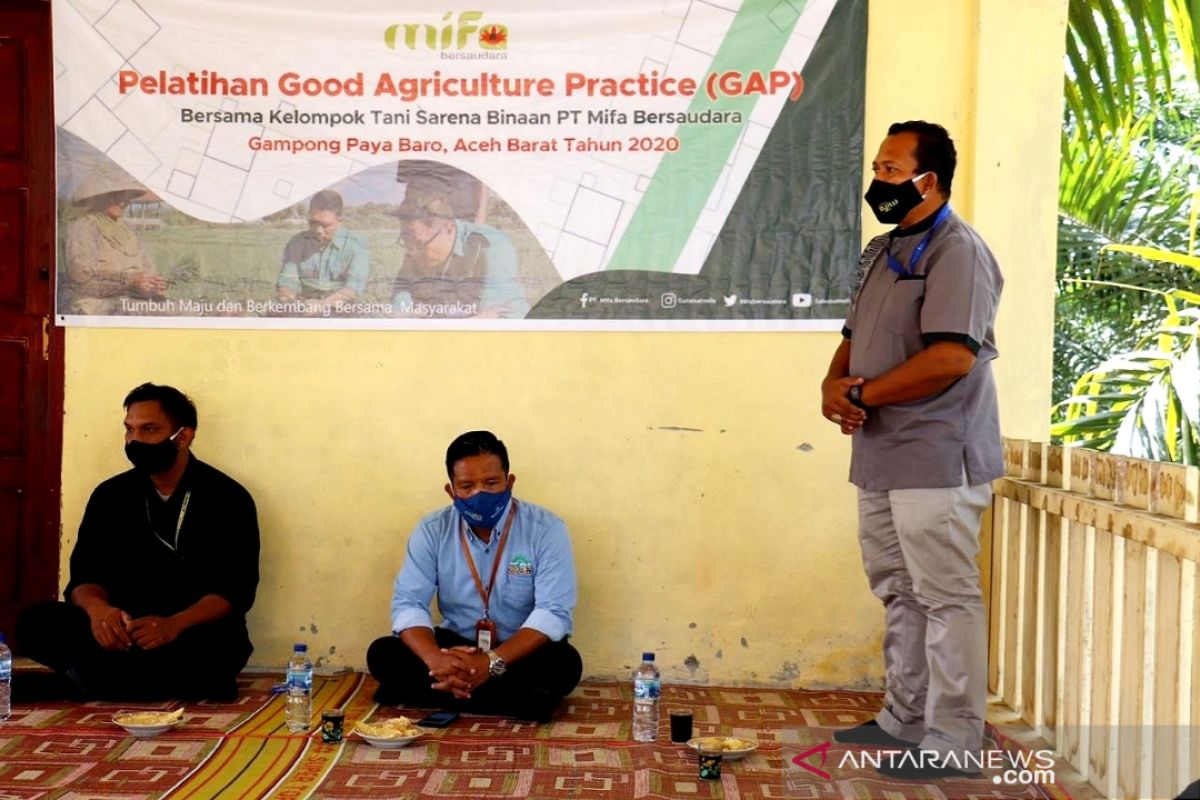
{"x":951,"y":295}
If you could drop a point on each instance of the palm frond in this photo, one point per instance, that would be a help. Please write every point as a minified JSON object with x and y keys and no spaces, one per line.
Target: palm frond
{"x":1127,"y":326}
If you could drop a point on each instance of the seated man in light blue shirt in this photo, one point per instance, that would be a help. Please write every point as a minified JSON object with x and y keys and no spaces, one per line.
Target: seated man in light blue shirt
{"x":504,"y":578}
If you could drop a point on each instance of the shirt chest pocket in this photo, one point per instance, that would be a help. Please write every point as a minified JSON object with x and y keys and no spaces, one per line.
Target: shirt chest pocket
{"x":339,"y":271}
{"x":901,"y":312}
{"x":324,"y":265}
{"x":519,"y":588}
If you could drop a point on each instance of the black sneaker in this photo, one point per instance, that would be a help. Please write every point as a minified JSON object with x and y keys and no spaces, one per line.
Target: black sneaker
{"x":870,"y":734}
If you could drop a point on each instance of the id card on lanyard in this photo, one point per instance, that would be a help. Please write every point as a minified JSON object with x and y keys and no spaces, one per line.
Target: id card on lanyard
{"x":486,"y":633}
{"x":898,"y":268}
{"x":173,"y":545}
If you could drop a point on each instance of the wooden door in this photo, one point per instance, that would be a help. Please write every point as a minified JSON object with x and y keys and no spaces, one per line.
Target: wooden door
{"x":31,"y":365}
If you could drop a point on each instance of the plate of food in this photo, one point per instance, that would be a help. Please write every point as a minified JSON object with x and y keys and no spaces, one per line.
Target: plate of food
{"x":731,"y":747}
{"x":388,"y":734}
{"x":144,"y":724}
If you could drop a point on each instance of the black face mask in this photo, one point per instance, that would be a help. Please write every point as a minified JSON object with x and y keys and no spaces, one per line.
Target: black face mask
{"x":151,"y":459}
{"x":891,"y":202}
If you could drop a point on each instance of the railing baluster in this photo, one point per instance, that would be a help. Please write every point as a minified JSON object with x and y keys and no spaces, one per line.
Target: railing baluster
{"x":1189,"y":715}
{"x":991,"y":561}
{"x":1195,"y":717}
{"x":1101,"y":718}
{"x":1011,"y":677}
{"x":1030,"y":538}
{"x":1050,"y":593}
{"x":1129,"y":707}
{"x":1166,"y":678}
{"x":1077,"y":644}
{"x":1174,"y":491}
{"x":1055,"y":459}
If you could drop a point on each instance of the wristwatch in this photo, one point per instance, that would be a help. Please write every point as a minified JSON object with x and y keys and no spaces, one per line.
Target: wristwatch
{"x":855,"y":397}
{"x":496,"y":665}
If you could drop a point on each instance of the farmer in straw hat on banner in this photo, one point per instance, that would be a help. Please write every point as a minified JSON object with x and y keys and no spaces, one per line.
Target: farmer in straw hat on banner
{"x":105,"y":262}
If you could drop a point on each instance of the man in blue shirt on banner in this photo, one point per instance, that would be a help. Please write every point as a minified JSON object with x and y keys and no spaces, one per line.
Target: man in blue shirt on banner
{"x":912,"y":383}
{"x":327,"y":264}
{"x":504,"y":577}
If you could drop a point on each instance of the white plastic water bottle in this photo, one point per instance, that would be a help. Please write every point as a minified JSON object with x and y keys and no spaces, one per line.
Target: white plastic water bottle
{"x":5,"y":680}
{"x":299,"y":689}
{"x":646,"y":688}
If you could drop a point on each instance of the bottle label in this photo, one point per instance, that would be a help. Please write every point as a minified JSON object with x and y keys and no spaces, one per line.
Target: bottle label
{"x":645,"y":689}
{"x":5,"y":671}
{"x":299,"y":678}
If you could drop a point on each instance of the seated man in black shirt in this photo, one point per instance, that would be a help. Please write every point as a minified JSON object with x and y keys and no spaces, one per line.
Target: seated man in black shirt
{"x":162,"y":575}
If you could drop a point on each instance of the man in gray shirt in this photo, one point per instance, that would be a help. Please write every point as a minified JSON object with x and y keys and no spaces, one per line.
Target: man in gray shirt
{"x":911,"y":383}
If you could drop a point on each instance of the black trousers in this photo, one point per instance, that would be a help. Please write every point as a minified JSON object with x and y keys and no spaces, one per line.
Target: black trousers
{"x":529,"y":689}
{"x":203,"y":662}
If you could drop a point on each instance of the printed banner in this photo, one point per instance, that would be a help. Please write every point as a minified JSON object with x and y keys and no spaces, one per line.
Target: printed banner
{"x":687,"y":164}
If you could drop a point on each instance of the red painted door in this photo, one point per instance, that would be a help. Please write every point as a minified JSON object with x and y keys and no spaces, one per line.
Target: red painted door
{"x":31,"y":365}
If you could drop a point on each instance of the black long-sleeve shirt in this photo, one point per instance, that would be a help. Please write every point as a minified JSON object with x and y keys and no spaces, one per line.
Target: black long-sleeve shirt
{"x":127,"y":543}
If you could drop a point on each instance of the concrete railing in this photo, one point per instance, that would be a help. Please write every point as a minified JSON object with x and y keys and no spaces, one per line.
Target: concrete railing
{"x":1089,"y":572}
{"x":1090,"y":576}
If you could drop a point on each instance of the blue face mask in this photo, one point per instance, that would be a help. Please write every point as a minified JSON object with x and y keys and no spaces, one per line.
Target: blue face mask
{"x":483,"y":509}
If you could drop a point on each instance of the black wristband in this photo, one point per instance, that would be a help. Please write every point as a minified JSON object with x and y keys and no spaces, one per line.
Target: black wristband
{"x":854,"y":395}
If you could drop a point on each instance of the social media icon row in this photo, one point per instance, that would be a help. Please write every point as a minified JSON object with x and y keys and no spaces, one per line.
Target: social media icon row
{"x":670,"y":300}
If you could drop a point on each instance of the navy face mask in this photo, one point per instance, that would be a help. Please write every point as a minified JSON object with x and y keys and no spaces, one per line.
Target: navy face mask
{"x":151,"y":459}
{"x":483,"y":509}
{"x":891,"y":202}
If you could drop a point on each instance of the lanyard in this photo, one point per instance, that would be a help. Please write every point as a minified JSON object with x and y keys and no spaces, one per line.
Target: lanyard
{"x":898,"y":268}
{"x":486,"y":596}
{"x":187,"y":498}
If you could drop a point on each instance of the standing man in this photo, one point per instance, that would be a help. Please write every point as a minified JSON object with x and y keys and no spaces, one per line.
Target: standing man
{"x":912,"y":383}
{"x":504,"y":578}
{"x":162,"y":575}
{"x":326,"y":264}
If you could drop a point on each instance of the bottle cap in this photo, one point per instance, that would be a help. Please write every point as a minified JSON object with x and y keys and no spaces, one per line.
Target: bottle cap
{"x":2,"y":639}
{"x":647,"y":656}
{"x":300,"y":647}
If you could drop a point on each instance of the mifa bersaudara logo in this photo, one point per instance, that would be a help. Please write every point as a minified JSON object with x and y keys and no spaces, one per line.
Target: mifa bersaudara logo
{"x":456,"y":31}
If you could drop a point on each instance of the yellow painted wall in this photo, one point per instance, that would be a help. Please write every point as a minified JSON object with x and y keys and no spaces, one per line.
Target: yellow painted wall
{"x":706,"y":497}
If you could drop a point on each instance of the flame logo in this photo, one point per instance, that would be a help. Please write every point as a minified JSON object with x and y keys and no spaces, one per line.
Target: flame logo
{"x":494,"y":37}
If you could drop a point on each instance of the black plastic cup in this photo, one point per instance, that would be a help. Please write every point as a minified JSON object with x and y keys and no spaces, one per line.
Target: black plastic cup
{"x":710,"y":765}
{"x":681,"y":726}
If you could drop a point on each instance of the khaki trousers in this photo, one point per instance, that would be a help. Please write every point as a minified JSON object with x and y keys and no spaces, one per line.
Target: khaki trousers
{"x":919,"y":548}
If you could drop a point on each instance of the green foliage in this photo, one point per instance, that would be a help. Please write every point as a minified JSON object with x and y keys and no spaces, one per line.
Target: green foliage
{"x":1125,"y":329}
{"x":1144,"y":402}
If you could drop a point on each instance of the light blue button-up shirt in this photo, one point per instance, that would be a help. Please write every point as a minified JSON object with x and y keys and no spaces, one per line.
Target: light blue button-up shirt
{"x":313,"y":271}
{"x":502,"y":286}
{"x":535,"y":583}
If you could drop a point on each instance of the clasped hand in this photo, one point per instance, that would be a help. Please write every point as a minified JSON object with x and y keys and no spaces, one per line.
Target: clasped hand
{"x":115,"y":629}
{"x":459,"y":670}
{"x":837,"y":408}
